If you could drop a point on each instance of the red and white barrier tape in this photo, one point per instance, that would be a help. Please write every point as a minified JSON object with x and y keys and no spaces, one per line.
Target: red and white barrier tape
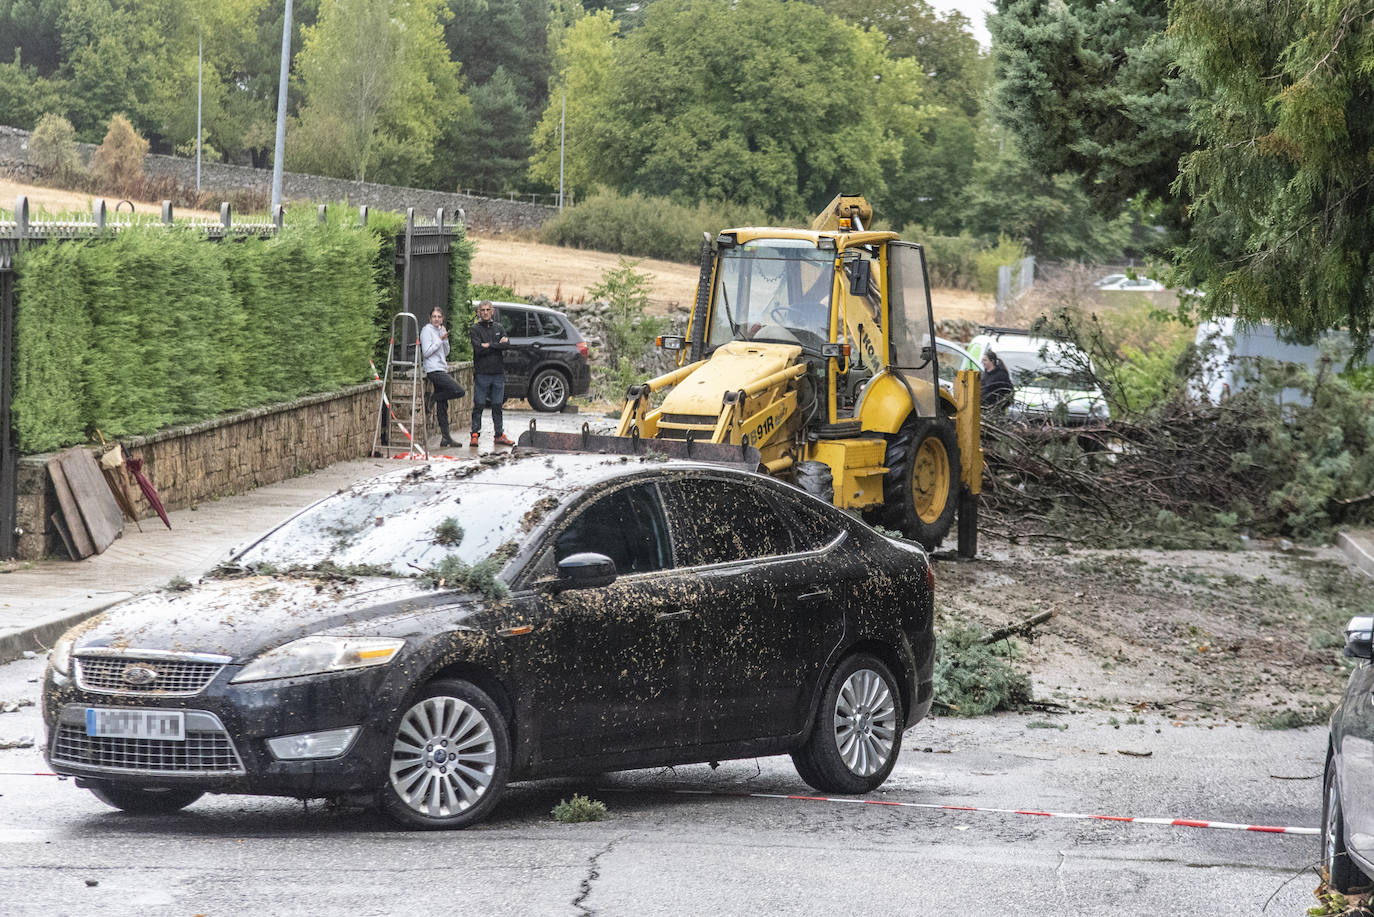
{"x":422,"y":453}
{"x":1172,"y":822}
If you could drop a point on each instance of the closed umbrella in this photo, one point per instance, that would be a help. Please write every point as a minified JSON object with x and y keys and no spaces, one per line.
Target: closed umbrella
{"x":136,"y":466}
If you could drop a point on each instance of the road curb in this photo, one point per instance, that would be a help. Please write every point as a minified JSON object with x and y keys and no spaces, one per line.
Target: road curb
{"x":1359,"y":550}
{"x":40,"y":635}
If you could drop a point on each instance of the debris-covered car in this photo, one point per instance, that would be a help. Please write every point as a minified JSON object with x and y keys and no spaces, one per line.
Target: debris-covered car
{"x":420,"y":639}
{"x":1347,"y":815}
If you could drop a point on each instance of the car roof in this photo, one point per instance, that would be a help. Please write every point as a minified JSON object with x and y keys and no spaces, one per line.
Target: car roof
{"x":1015,"y":342}
{"x":526,"y":305}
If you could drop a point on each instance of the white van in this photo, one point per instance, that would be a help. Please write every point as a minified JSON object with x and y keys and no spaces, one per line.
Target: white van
{"x":1230,"y":351}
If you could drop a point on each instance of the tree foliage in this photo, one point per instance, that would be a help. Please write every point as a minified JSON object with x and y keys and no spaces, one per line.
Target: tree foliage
{"x":118,"y":162}
{"x":378,"y":86}
{"x":1093,"y":89}
{"x":53,"y":146}
{"x":1282,"y":186}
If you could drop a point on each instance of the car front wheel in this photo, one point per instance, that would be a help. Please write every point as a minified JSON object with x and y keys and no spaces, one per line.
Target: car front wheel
{"x":548,"y":391}
{"x":142,"y":800}
{"x":1341,"y":874}
{"x":858,"y":730}
{"x":450,"y":758}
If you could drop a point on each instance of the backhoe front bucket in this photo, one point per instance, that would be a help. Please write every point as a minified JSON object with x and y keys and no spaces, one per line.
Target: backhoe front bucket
{"x":745,"y":458}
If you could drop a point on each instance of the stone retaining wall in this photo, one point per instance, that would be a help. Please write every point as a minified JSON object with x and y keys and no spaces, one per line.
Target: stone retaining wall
{"x":231,"y":454}
{"x":481,"y":214}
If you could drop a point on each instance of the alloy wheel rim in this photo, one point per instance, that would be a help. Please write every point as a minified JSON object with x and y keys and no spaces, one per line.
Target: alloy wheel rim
{"x":444,"y":757}
{"x":1329,"y":832}
{"x":930,"y":479}
{"x":550,"y":390}
{"x":865,"y":722}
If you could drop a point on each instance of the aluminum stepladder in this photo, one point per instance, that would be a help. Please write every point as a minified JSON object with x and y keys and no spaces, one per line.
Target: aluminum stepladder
{"x":402,"y":416}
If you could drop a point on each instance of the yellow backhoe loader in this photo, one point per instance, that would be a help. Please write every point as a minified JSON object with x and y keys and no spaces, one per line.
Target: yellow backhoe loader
{"x":811,"y":354}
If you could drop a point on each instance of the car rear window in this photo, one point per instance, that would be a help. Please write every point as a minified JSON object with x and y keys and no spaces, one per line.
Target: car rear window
{"x":550,"y":326}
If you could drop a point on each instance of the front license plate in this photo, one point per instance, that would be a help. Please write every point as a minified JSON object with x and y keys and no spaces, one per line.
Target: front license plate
{"x":167,"y":725}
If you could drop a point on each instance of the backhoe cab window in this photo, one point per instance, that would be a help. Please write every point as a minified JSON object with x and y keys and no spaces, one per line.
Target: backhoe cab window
{"x":773,"y":290}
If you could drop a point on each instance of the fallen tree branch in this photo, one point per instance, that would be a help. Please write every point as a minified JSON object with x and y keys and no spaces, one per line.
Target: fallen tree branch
{"x":1018,"y":630}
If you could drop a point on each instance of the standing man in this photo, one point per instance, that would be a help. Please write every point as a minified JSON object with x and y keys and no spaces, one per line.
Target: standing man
{"x":434,"y":349}
{"x":489,"y":368}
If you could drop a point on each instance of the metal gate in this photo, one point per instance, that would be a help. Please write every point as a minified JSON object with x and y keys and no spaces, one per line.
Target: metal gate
{"x":423,"y":258}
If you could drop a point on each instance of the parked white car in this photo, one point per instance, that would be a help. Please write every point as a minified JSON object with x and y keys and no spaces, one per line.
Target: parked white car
{"x":1047,"y":376}
{"x":1120,"y":283}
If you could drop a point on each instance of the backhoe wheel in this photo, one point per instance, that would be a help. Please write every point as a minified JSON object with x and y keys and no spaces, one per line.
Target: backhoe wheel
{"x":858,"y":730}
{"x":921,"y":487}
{"x":450,"y":758}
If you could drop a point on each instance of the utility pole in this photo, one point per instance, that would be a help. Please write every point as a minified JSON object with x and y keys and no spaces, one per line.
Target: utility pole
{"x":200,"y":83}
{"x":562,"y":143}
{"x":279,"y":151}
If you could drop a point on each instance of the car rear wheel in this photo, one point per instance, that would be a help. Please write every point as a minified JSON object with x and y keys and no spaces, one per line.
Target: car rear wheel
{"x":858,"y":730}
{"x":1341,"y":874}
{"x":921,"y":487}
{"x":450,"y":758}
{"x":143,"y":800}
{"x":549,"y":391}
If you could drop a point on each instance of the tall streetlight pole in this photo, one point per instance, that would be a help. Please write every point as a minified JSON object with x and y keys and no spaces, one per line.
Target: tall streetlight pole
{"x":279,"y":152}
{"x":200,"y":82}
{"x":562,"y":132}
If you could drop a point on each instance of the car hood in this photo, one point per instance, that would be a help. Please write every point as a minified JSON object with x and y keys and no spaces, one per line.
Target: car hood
{"x":242,"y":617}
{"x":1031,"y":398}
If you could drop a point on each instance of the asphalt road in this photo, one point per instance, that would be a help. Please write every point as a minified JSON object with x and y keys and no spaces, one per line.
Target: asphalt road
{"x":674,"y":853}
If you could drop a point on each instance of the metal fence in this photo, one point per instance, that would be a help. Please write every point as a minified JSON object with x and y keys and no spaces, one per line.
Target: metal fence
{"x":422,"y":254}
{"x":1014,"y":281}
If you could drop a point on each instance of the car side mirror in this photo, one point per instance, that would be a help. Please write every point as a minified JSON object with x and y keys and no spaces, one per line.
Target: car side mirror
{"x":585,"y":571}
{"x":1358,"y":634}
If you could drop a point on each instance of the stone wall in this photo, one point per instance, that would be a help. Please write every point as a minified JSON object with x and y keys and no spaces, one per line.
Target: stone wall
{"x":231,"y":454}
{"x":481,"y":214}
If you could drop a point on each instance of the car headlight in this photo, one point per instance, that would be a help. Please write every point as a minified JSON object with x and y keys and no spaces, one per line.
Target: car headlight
{"x":60,"y":656}
{"x":318,"y":655}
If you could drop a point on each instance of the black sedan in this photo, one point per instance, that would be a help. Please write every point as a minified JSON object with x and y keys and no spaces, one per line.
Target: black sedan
{"x":1347,"y":807}
{"x":420,"y":639}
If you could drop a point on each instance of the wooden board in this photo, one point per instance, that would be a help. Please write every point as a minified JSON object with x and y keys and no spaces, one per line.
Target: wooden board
{"x":76,"y":529}
{"x":61,"y":525}
{"x":98,"y":507}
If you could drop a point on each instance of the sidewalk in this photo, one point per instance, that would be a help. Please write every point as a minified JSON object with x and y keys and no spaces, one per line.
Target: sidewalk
{"x":39,"y":602}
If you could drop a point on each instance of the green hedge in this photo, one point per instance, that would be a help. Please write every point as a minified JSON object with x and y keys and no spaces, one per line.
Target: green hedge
{"x":159,"y":326}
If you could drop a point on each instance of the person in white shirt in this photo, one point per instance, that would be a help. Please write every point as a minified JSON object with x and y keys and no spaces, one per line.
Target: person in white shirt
{"x":434,"y":350}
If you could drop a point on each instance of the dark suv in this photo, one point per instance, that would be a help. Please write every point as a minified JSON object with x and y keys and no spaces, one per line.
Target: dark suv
{"x":548,"y":363}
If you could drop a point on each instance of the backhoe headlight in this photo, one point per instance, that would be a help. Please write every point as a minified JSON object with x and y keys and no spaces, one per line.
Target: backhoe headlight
{"x":320,"y":655}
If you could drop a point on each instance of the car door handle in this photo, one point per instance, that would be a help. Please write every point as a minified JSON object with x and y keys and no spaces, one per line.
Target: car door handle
{"x":670,"y":615}
{"x":811,"y":598}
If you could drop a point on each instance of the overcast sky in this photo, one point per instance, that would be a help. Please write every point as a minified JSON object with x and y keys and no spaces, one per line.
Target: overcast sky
{"x":975,"y":10}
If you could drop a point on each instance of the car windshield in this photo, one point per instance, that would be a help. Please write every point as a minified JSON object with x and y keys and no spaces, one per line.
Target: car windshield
{"x":773,"y":290}
{"x":1053,"y":371}
{"x":405,"y":527}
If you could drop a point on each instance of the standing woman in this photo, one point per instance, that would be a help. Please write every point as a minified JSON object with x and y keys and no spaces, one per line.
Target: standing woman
{"x":996,"y":381}
{"x":434,"y":349}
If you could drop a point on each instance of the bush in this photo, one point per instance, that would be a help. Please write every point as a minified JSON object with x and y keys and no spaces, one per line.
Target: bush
{"x":118,"y":162}
{"x":973,"y":678}
{"x":157,"y":325}
{"x":578,"y":809}
{"x":629,"y":333}
{"x":952,"y":261}
{"x":645,"y":227}
{"x":53,"y":147}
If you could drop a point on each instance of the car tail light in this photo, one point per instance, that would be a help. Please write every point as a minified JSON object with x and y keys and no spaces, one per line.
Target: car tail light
{"x":582,"y":348}
{"x":930,"y":577}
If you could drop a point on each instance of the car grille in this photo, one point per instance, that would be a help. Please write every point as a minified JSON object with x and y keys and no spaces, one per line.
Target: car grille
{"x":206,"y":750}
{"x":175,"y":677}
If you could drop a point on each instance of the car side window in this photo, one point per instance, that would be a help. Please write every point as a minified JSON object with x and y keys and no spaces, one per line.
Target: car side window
{"x":627,"y":526}
{"x":516,"y":322}
{"x":720,"y":521}
{"x":550,"y":326}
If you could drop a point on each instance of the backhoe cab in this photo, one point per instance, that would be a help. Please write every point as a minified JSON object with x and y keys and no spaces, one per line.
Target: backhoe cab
{"x":817,"y":348}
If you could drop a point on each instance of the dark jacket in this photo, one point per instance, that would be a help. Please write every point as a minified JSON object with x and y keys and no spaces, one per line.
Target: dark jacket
{"x":997,"y":386}
{"x":488,"y":361}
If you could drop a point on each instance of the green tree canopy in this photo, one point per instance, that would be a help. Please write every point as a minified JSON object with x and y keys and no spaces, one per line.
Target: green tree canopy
{"x":1094,"y":89}
{"x":1282,"y":186}
{"x":766,"y":103}
{"x":378,"y":86}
